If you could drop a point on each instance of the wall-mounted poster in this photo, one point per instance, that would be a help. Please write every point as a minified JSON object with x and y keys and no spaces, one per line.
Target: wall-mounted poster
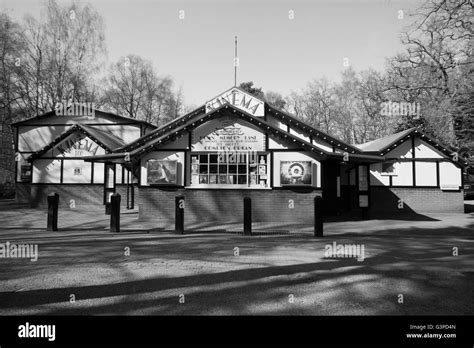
{"x":25,"y":172}
{"x":162,"y":172}
{"x":296,"y":173}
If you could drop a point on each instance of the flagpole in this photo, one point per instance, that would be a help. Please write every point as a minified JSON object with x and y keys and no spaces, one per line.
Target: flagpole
{"x":235,"y":63}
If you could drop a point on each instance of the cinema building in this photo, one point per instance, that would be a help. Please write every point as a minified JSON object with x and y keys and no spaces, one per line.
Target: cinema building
{"x":234,"y":146}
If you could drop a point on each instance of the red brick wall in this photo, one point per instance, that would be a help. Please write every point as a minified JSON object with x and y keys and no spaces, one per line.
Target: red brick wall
{"x":419,"y":200}
{"x":227,"y":205}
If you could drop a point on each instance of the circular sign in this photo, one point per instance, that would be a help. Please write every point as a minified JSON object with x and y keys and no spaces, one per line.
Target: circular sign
{"x":296,"y":171}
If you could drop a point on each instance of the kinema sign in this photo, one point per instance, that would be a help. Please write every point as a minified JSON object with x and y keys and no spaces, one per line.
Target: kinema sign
{"x":239,"y":99}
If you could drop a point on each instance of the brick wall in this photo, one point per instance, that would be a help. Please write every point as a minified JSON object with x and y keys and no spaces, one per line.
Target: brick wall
{"x":84,"y":195}
{"x":227,"y":205}
{"x":418,"y":200}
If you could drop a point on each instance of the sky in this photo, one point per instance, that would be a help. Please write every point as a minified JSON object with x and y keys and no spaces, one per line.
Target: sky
{"x":282,"y":44}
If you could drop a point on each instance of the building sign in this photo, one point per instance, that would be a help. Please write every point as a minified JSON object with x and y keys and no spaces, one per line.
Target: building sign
{"x":241,"y":100}
{"x":296,"y":173}
{"x":162,"y":172}
{"x":77,"y":146}
{"x":227,"y":134}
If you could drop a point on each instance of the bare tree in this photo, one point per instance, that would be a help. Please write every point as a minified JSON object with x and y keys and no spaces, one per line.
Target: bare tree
{"x":133,"y":88}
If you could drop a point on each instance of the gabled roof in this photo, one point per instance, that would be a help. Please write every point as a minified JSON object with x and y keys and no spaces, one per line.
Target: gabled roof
{"x":82,"y":119}
{"x":163,"y":129}
{"x":378,"y":145}
{"x":161,"y":136}
{"x":105,"y":139}
{"x":308,"y":130}
{"x":385,"y":145}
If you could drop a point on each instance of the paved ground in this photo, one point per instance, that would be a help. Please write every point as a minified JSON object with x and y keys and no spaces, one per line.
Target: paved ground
{"x":268,"y":274}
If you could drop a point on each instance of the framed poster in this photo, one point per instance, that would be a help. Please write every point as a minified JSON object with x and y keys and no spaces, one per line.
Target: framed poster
{"x":296,"y":173}
{"x":162,"y":172}
{"x":363,"y":201}
{"x":25,"y":172}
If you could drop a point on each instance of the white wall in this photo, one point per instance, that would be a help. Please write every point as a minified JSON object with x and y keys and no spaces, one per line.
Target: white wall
{"x":34,"y":138}
{"x":47,"y":171}
{"x":424,"y":150}
{"x":294,"y":156}
{"x":68,"y":172}
{"x":98,"y":173}
{"x":163,"y":155}
{"x":404,"y":171}
{"x":425,"y":173}
{"x":449,"y":174}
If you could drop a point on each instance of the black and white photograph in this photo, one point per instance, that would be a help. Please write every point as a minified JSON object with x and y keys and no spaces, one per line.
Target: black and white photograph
{"x":304,"y":165}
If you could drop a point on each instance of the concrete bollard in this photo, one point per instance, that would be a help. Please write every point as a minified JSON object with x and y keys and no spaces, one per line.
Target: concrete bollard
{"x":247,"y":216}
{"x":179,"y":215}
{"x":115,"y":213}
{"x":318,"y":216}
{"x":53,"y":204}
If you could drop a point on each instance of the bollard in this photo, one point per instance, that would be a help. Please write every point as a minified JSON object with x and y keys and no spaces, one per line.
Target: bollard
{"x":115,"y":213}
{"x":247,"y":216}
{"x":53,"y":203}
{"x":318,"y":216}
{"x":179,"y":215}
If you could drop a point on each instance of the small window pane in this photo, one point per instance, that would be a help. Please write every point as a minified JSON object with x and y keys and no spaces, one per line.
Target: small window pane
{"x":242,"y":179}
{"x":213,"y":168}
{"x":213,"y":159}
{"x":242,"y":169}
{"x":203,"y":158}
{"x":232,"y":168}
{"x":203,"y":169}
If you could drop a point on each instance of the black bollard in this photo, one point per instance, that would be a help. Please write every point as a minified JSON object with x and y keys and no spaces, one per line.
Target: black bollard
{"x":53,"y":203}
{"x":179,"y":215}
{"x":115,"y":213}
{"x":318,"y":216}
{"x":247,"y":216}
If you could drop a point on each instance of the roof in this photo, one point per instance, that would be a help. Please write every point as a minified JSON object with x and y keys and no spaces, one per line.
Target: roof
{"x":379,"y":145}
{"x":165,"y":128}
{"x":169,"y":134}
{"x":81,"y":119}
{"x":105,"y":139}
{"x":311,"y":131}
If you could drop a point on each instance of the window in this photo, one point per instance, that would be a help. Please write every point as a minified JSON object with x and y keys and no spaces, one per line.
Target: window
{"x":229,"y":169}
{"x":389,"y":169}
